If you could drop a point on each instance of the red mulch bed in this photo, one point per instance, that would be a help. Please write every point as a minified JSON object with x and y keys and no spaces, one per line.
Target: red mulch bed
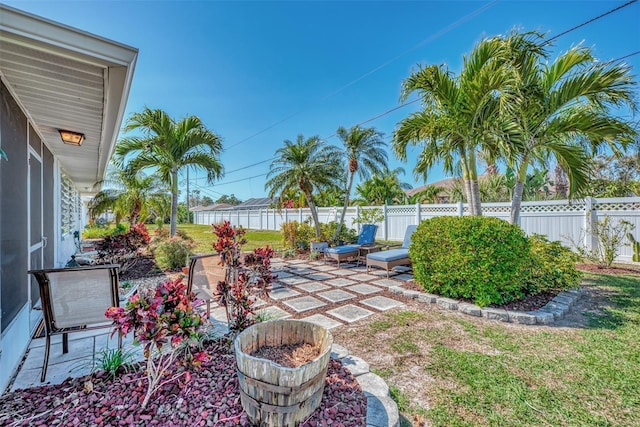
{"x":210,"y":397}
{"x":614,"y":269}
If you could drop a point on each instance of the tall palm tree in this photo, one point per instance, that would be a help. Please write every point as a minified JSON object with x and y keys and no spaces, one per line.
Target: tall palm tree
{"x":562,"y":111}
{"x":127,"y":195}
{"x":458,"y":115}
{"x":307,"y":164}
{"x":366,"y":154}
{"x":168,"y":146}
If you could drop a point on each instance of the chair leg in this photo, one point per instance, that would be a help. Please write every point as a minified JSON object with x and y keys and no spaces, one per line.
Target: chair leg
{"x":65,"y":343}
{"x":46,"y":359}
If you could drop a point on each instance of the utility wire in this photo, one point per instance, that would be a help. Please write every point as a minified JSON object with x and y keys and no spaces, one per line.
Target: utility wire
{"x":602,"y":15}
{"x":415,"y":100}
{"x":374,"y":70}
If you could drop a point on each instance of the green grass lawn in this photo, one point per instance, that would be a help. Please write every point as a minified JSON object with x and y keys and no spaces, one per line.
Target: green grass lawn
{"x":204,"y":237}
{"x":447,"y":369}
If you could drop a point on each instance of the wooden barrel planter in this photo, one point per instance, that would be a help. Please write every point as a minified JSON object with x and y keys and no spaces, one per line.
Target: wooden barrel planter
{"x":274,"y":395}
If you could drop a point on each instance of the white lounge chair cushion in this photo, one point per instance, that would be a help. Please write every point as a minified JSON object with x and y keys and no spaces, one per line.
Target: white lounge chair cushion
{"x":390,"y":255}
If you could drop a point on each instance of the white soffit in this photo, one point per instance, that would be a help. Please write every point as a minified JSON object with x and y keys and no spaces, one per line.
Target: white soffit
{"x":69,"y":79}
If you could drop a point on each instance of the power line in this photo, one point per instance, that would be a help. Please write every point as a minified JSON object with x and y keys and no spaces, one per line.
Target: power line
{"x":602,"y":15}
{"x":446,"y":29}
{"x":374,"y":70}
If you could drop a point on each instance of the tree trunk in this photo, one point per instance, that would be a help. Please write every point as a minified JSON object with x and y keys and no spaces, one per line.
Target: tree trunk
{"x":344,"y":209}
{"x":475,"y":193}
{"x":518,"y":191}
{"x":314,"y":213}
{"x":516,"y":202}
{"x":174,"y":202}
{"x":467,"y":192}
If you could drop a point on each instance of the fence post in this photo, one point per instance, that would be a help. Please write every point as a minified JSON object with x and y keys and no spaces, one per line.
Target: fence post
{"x":274,"y":220}
{"x":385,"y":231}
{"x":418,"y":213}
{"x":286,"y":215}
{"x":300,"y":215}
{"x":238,"y":217}
{"x":590,"y":219}
{"x":460,"y":209}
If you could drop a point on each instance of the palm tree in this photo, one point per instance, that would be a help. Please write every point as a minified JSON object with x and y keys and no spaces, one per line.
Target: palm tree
{"x":430,"y":194}
{"x":168,"y":146}
{"x":366,"y":154}
{"x":307,"y":164}
{"x":562,"y":111}
{"x":383,"y":188}
{"x":128,"y":195}
{"x":458,"y":116}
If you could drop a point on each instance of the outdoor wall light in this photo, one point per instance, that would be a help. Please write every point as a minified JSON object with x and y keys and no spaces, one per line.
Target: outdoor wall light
{"x":71,"y":138}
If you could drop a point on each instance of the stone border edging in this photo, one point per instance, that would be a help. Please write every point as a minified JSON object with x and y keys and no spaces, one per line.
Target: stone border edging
{"x":553,"y":310}
{"x":382,"y":410}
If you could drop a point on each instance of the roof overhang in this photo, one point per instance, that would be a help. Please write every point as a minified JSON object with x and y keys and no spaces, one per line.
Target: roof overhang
{"x":68,"y":79}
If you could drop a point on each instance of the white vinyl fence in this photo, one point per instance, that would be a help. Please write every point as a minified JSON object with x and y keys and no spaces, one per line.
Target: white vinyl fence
{"x":563,"y":220}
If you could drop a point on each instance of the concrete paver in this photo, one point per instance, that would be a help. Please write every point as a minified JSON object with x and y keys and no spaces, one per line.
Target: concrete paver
{"x":322,"y":320}
{"x":305,"y":303}
{"x":282,"y":293}
{"x":350,"y":313}
{"x":381,"y":303}
{"x":313,"y":287}
{"x":364,"y":289}
{"x":336,"y":295}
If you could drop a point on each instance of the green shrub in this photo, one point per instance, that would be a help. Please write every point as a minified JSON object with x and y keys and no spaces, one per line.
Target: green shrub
{"x":479,"y":258}
{"x":173,"y":253}
{"x":553,"y":266}
{"x":297,"y":234}
{"x":346,"y":235}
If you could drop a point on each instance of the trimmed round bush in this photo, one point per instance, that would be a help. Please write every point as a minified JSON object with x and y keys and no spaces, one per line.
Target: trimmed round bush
{"x":483,"y":259}
{"x":553,"y":266}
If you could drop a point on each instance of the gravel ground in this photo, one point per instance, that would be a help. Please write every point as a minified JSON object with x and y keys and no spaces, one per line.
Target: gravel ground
{"x":210,"y":398}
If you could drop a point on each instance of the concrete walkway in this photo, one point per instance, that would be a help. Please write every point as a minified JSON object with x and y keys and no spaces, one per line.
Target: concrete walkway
{"x":336,"y":295}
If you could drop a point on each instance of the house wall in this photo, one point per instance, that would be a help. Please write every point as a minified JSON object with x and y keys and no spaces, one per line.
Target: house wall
{"x":18,"y":292}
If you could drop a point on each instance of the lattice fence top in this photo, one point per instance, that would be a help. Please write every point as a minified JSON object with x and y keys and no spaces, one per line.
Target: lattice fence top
{"x":391,"y":210}
{"x":438,"y":209}
{"x":488,"y":210}
{"x":617,"y":206}
{"x":574,"y":207}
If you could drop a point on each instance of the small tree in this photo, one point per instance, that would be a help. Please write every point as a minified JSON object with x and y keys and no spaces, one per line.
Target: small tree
{"x":164,"y":322}
{"x":244,"y":281}
{"x":611,"y":239}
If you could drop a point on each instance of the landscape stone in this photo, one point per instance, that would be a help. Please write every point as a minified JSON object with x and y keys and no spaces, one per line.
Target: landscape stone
{"x":323,"y":321}
{"x":356,"y":365}
{"x":350,"y":313}
{"x":338,"y":351}
{"x":495,"y":314}
{"x":304,"y":303}
{"x":371,"y":383}
{"x":543,"y":317}
{"x":564,"y":299}
{"x":293,"y":280}
{"x":470,"y":309}
{"x":381,"y":303}
{"x":404,"y":277}
{"x":447,"y":303}
{"x":396,"y":290}
{"x":556,"y":307}
{"x":522,"y":318}
{"x":428,"y":298}
{"x":364,"y":277}
{"x":382,"y":411}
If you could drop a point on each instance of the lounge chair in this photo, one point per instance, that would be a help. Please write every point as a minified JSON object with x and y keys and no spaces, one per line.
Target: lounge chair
{"x":75,"y":300}
{"x":392,"y":257}
{"x":340,"y":253}
{"x":204,"y":275}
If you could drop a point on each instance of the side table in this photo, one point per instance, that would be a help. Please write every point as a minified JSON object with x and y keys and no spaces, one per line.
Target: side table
{"x":365,"y":250}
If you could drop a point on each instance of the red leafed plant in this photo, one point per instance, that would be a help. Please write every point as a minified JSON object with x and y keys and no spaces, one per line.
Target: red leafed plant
{"x":164,"y":322}
{"x":246,"y":280}
{"x":125,"y":248}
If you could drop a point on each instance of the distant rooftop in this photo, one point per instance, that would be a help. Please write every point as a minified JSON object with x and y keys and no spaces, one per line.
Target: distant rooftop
{"x":256,"y":203}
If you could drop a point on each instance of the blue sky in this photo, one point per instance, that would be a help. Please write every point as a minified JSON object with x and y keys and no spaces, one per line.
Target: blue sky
{"x":258,"y":73}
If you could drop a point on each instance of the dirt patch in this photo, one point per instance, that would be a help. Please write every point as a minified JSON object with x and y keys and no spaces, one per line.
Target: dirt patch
{"x":289,"y":355}
{"x":614,"y":269}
